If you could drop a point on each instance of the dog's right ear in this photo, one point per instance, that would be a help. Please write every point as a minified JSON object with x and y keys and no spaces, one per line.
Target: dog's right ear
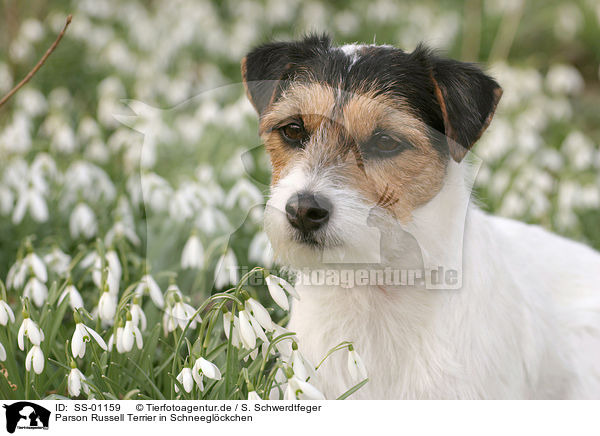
{"x":262,"y":69}
{"x":266,"y":67}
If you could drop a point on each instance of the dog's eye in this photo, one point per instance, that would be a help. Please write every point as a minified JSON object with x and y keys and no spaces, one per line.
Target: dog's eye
{"x":382,"y":144}
{"x":293,"y":133}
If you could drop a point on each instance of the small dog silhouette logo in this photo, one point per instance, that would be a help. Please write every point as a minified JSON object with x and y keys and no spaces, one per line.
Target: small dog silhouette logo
{"x":26,"y":415}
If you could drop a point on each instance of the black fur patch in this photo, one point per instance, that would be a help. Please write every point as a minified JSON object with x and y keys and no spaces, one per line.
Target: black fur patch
{"x":455,"y":99}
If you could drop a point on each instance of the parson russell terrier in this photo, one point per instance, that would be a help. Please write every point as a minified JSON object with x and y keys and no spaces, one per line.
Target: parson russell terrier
{"x":367,"y":145}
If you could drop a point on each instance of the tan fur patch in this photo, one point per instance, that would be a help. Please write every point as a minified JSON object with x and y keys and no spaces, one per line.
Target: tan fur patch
{"x":338,"y":124}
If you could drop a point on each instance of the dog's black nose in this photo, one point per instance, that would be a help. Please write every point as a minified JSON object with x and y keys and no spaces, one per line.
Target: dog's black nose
{"x":307,"y":212}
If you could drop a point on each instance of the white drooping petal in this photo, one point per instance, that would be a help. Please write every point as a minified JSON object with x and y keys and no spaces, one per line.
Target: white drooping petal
{"x":74,"y":382}
{"x":253,"y":396}
{"x":304,"y":390}
{"x":2,"y":353}
{"x":246,"y":331}
{"x":35,"y":359}
{"x":260,"y":313}
{"x":107,"y":307}
{"x":258,"y":331}
{"x":154,"y":291}
{"x":37,"y":266}
{"x":94,"y":334}
{"x":208,"y":368}
{"x":356,"y":367}
{"x":75,"y":300}
{"x":192,"y":255}
{"x":186,"y":379}
{"x":77,"y":342}
{"x":21,"y":335}
{"x":127,"y":338}
{"x":36,"y":291}
{"x":298,"y":366}
{"x":82,"y":222}
{"x":139,"y":341}
{"x":277,"y":292}
{"x":6,"y":313}
{"x":138,"y":317}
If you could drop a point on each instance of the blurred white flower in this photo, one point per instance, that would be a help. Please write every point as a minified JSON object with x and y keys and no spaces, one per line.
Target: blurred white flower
{"x":107,"y":307}
{"x":83,"y":222}
{"x":245,"y":195}
{"x":6,"y":313}
{"x":564,"y":79}
{"x":75,"y":299}
{"x":32,"y":200}
{"x":226,"y":271}
{"x":193,"y":253}
{"x":148,"y":285}
{"x":36,"y":291}
{"x":76,"y":382}
{"x":122,"y":229}
{"x":276,"y":286}
{"x":2,"y":353}
{"x":81,"y":335}
{"x":186,"y":379}
{"x":260,"y":250}
{"x":29,"y":329}
{"x":356,"y":367}
{"x":35,"y":359}
{"x":37,"y":266}
{"x":138,"y":317}
{"x":58,"y":261}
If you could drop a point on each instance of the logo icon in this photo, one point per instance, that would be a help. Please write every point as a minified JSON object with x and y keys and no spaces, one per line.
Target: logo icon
{"x":26,"y":415}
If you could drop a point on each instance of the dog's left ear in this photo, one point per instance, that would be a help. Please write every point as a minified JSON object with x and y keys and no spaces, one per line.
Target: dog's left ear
{"x":467,"y":98}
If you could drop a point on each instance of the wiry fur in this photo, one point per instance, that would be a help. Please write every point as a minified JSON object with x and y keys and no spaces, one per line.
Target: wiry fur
{"x":523,"y":319}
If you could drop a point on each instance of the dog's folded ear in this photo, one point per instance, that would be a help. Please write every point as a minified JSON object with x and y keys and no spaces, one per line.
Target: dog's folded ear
{"x":467,"y":99}
{"x":266,"y":67}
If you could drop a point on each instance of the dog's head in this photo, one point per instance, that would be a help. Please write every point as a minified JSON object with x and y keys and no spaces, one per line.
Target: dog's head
{"x":357,"y":131}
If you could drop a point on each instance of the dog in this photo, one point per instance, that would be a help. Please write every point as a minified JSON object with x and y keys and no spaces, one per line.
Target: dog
{"x":367,"y":145}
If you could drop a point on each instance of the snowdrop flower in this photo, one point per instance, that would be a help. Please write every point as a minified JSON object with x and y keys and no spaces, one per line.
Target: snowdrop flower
{"x":298,"y":364}
{"x":260,"y":250}
{"x":226,"y":271}
{"x":16,"y":276}
{"x":82,"y":335}
{"x":2,"y":353}
{"x":138,"y":317}
{"x":6,"y":313}
{"x":276,"y":286}
{"x":122,"y":229}
{"x":33,"y":200}
{"x":30,"y":330}
{"x":115,"y":339}
{"x":149,"y":285}
{"x":245,"y":194}
{"x":130,"y":333}
{"x":186,"y":379}
{"x":564,"y":79}
{"x":231,"y":329}
{"x":75,"y":299}
{"x":76,"y":381}
{"x":356,"y":367}
{"x":58,"y":261}
{"x":36,"y":291}
{"x":193,"y":253}
{"x":35,"y":358}
{"x":83,"y":222}
{"x":253,"y":396}
{"x":183,"y":312}
{"x":260,"y":313}
{"x":207,"y":368}
{"x":247,"y":333}
{"x":107,"y":307}
{"x":37,"y":266}
{"x":301,"y":390}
